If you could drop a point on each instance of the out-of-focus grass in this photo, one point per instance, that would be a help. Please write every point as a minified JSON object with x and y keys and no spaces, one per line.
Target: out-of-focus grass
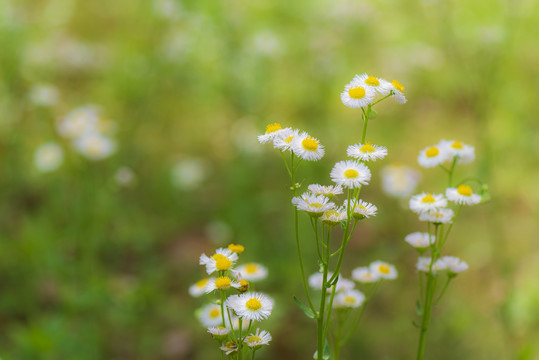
{"x":91,"y":270}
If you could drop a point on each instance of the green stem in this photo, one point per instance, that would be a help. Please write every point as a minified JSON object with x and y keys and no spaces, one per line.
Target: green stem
{"x":240,"y":342}
{"x":222,"y":309}
{"x":455,"y":158}
{"x":320,"y":319}
{"x":314,"y":223}
{"x":444,"y":238}
{"x":365,"y":122}
{"x":443,"y":291}
{"x":333,"y":289}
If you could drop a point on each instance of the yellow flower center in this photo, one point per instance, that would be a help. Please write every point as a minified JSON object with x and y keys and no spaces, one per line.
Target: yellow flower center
{"x":273,"y":128}
{"x":244,"y":282}
{"x":367,"y":148}
{"x":201,"y":283}
{"x":428,"y":198}
{"x":464,"y":190}
{"x":253,"y":304}
{"x":251,"y":268}
{"x":372,"y":81}
{"x":316,"y":205}
{"x":351,"y":174}
{"x":289,"y":139}
{"x":432,"y":152}
{"x":357,"y":92}
{"x":398,"y":85}
{"x":367,"y":275}
{"x":349,"y":300}
{"x":222,"y":262}
{"x":253,"y":339}
{"x":457,"y":145}
{"x":223,"y":282}
{"x":236,"y":248}
{"x":310,"y":143}
{"x":384,"y":269}
{"x":215,"y":313}
{"x":331,"y":213}
{"x":220,"y":327}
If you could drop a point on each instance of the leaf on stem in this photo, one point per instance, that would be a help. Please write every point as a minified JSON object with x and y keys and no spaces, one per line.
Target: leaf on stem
{"x":306,"y":310}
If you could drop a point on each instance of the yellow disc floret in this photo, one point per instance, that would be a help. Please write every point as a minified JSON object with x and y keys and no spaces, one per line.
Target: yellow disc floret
{"x":372,"y":81}
{"x":254,"y":339}
{"x":428,"y":198}
{"x":244,"y":285}
{"x":357,"y":92}
{"x":351,"y":174}
{"x":238,"y":249}
{"x":310,"y":143}
{"x":398,"y":85}
{"x":289,"y":139}
{"x":367,"y":148}
{"x":251,"y":268}
{"x":457,"y":145}
{"x":349,"y":300}
{"x":223,"y":282}
{"x":253,"y":304}
{"x":215,"y":313}
{"x":464,"y":190}
{"x":432,"y":151}
{"x":384,"y":269}
{"x":222,"y":262}
{"x":201,"y":283}
{"x":273,"y":128}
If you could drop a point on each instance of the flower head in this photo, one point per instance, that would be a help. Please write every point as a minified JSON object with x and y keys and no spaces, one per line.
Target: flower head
{"x":252,"y":271}
{"x":433,"y":156}
{"x":222,"y":260}
{"x":218,"y":332}
{"x":440,"y":216}
{"x":357,"y":94}
{"x":283,"y":140}
{"x":328,"y":191}
{"x":221,"y":283}
{"x":198,"y":288}
{"x":350,"y":174}
{"x":399,"y":181}
{"x":362,"y":209}
{"x":95,"y":146}
{"x":420,"y":240}
{"x":236,"y":248}
{"x":453,"y":264}
{"x":396,"y":89}
{"x":48,"y":157}
{"x":367,"y":152}
{"x":379,"y":85}
{"x":349,"y":299}
{"x":307,"y":147}
{"x":334,"y":217}
{"x":383,"y":270}
{"x":272,"y":130}
{"x":315,"y":205}
{"x":229,"y":347}
{"x":425,"y":202}
{"x":365,"y":275}
{"x":462,"y":195}
{"x":251,"y":306}
{"x":258,"y":339}
{"x":465,"y":153}
{"x":210,"y":315}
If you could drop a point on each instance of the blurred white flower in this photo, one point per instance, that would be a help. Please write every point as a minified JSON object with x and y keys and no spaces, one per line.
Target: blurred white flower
{"x":124,"y":176}
{"x":399,"y":181}
{"x":188,"y":174}
{"x":94,"y":146}
{"x":48,"y":157}
{"x":266,"y":43}
{"x":44,"y":95}
{"x":79,"y":121}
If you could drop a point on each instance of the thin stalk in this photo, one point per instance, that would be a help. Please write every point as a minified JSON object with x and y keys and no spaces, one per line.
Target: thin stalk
{"x":240,"y":342}
{"x":314,"y":223}
{"x":455,"y":158}
{"x":222,"y":308}
{"x":333,"y":289}
{"x":320,"y":319}
{"x":365,"y":122}
{"x":450,"y":227}
{"x":443,"y":291}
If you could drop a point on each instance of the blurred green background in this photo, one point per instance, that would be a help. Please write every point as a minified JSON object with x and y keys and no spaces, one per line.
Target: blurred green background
{"x":95,"y":262}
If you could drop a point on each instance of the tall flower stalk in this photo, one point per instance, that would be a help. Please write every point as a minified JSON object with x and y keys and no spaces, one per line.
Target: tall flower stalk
{"x":435,"y":209}
{"x":349,"y":177}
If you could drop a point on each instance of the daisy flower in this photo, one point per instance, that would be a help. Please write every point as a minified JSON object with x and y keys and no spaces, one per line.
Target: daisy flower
{"x":307,"y":147}
{"x":48,"y":157}
{"x":350,"y":174}
{"x":252,"y":271}
{"x":94,"y":146}
{"x":440,"y":216}
{"x":229,"y":348}
{"x":258,"y":339}
{"x":465,"y":153}
{"x":315,"y":205}
{"x":328,"y":191}
{"x":420,"y":240}
{"x":236,"y":248}
{"x":397,"y":90}
{"x":423,"y":263}
{"x":218,"y":332}
{"x":433,"y":156}
{"x":426,"y":202}
{"x":399,"y":181}
{"x":365,"y":275}
{"x":316,"y":280}
{"x":198,"y":288}
{"x":380,"y":86}
{"x":210,"y":315}
{"x":383,"y":270}
{"x":222,"y":260}
{"x":362,"y":209}
{"x":272,"y":130}
{"x":367,"y":152}
{"x":284,"y":138}
{"x":79,"y":121}
{"x":221,"y":283}
{"x":463,"y":195}
{"x":453,"y":264}
{"x":44,"y":95}
{"x":356,"y":94}
{"x":334,"y":217}
{"x":251,"y":306}
{"x":343,"y":284}
{"x":349,"y":299}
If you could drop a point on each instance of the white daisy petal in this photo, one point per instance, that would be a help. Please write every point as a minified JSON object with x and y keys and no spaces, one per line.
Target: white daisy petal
{"x":367,"y":152}
{"x":463,"y":195}
{"x":425,"y":202}
{"x":307,"y":147}
{"x":350,"y":174}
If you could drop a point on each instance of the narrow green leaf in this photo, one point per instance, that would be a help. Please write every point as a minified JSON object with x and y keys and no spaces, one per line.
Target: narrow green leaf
{"x":418,"y":308}
{"x":306,"y":310}
{"x":327,"y":352}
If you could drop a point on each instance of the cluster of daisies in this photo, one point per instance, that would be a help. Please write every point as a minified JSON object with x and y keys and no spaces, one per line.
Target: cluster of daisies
{"x":88,"y":131}
{"x":230,"y":318}
{"x":363,"y":90}
{"x":346,"y":296}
